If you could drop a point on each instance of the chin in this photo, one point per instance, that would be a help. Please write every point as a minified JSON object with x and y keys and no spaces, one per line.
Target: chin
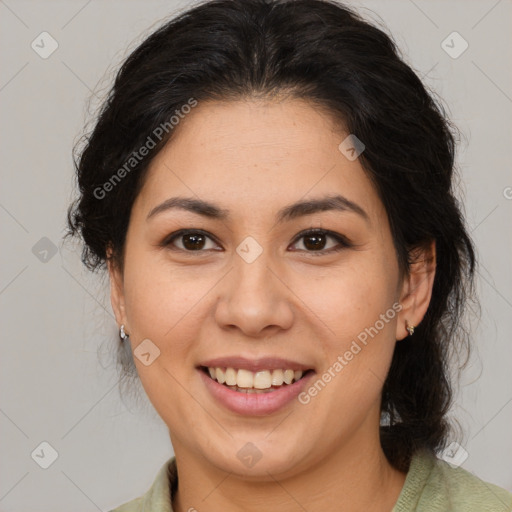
{"x":259,"y":458}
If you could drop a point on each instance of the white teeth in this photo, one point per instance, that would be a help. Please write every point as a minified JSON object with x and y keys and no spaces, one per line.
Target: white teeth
{"x":251,"y":382}
{"x":230,"y":377}
{"x":262,"y":380}
{"x":219,"y":375}
{"x":244,"y":379}
{"x":277,"y":378}
{"x":288,"y":376}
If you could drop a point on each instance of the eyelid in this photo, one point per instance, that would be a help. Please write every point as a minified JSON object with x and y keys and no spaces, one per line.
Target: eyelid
{"x":181,"y":232}
{"x":342,"y":240}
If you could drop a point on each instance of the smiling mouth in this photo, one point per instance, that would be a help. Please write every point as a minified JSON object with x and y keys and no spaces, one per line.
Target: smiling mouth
{"x":245,"y":381}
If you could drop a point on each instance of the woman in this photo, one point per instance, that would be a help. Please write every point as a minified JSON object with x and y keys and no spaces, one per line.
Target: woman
{"x":270,"y":188}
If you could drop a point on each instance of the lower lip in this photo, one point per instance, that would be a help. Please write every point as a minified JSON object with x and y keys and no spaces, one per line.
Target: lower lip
{"x":255,"y":404}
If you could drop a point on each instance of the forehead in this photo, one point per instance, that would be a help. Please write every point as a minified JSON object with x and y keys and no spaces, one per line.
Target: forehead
{"x":252,"y":153}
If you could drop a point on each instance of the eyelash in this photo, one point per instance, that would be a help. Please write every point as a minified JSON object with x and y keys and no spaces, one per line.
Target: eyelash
{"x":343,"y":242}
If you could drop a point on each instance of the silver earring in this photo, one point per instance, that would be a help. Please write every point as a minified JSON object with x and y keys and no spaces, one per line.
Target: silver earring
{"x":122,"y":334}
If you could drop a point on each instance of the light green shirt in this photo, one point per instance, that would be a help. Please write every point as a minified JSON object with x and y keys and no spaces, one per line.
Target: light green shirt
{"x":431,"y":485}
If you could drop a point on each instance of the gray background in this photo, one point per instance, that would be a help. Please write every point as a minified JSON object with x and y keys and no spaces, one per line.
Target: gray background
{"x":57,"y":380}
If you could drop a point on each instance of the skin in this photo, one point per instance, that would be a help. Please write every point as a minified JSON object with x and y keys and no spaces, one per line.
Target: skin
{"x":252,"y":158}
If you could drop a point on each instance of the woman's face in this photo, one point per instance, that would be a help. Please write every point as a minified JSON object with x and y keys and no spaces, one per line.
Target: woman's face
{"x":250,"y":288}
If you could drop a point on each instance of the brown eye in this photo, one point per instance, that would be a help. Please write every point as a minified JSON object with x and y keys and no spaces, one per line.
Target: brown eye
{"x":189,"y":241}
{"x":193,"y":242}
{"x":315,"y":241}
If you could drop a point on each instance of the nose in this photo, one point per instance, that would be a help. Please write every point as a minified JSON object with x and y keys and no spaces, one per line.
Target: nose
{"x":254,"y":298}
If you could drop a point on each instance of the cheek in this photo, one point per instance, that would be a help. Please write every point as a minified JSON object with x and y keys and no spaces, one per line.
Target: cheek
{"x":358,"y":349}
{"x":354,"y":309}
{"x":351,"y":297}
{"x":157,"y":303}
{"x":162,"y":306}
{"x":157,"y":294}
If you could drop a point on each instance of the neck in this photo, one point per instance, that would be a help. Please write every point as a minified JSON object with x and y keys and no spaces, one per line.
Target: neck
{"x":355,"y":478}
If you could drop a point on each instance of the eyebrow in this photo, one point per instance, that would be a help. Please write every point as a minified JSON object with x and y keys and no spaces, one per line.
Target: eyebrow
{"x":290,"y":212}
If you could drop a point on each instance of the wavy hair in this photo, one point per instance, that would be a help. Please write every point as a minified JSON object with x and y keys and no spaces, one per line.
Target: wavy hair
{"x":326,"y":53}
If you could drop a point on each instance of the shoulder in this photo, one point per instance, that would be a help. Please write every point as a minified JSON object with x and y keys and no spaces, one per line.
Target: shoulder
{"x":433,"y":485}
{"x":456,"y":489}
{"x":134,"y":505}
{"x":159,"y":496}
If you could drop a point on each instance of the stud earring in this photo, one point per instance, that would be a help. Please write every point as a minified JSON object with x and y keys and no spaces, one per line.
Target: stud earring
{"x":409,"y":328}
{"x":122,"y":334}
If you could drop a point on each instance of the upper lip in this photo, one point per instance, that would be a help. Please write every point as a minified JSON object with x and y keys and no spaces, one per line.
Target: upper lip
{"x":255,"y":365}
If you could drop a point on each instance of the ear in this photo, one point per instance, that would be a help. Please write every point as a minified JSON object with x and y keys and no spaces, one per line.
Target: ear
{"x":116,"y":291}
{"x":416,"y":289}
